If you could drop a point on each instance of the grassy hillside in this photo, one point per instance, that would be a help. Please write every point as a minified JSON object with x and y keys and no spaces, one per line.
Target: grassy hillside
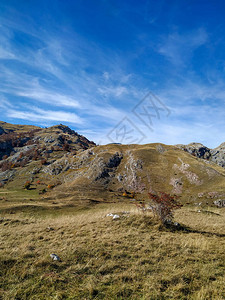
{"x":105,"y":172}
{"x":131,"y":257}
{"x":7,"y":127}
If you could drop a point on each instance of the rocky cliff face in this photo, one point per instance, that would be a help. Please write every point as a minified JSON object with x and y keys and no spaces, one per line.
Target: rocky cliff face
{"x":20,"y":145}
{"x":216,"y":155}
{"x":1,"y":130}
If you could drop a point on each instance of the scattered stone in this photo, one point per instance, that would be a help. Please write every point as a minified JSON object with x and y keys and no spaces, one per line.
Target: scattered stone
{"x":114,"y":216}
{"x":109,"y":215}
{"x":55,"y":257}
{"x":50,"y":228}
{"x":219,"y":203}
{"x":176,"y":224}
{"x":160,"y":148}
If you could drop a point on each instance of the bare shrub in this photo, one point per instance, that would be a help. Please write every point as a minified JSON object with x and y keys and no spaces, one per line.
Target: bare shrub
{"x":163,"y":206}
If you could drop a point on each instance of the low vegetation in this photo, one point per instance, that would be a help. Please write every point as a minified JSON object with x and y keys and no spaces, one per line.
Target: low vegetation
{"x":164,"y":206}
{"x":131,"y":257}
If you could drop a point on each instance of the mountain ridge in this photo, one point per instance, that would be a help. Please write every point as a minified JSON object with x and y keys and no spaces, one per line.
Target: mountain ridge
{"x":59,"y":163}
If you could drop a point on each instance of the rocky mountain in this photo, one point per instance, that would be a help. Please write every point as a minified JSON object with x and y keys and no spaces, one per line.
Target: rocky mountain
{"x":18,"y":139}
{"x":216,"y":155}
{"x":21,"y":145}
{"x":58,"y":163}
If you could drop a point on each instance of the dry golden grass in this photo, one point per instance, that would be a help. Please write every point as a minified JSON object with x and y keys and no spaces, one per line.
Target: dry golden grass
{"x":18,"y":128}
{"x":128,"y":258}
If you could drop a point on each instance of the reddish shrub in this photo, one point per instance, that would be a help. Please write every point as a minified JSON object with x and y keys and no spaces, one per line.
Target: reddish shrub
{"x":21,"y":155}
{"x":43,"y":162}
{"x":6,"y":165}
{"x":66,"y":147}
{"x":50,"y":186}
{"x":27,"y":185}
{"x":164,"y":205}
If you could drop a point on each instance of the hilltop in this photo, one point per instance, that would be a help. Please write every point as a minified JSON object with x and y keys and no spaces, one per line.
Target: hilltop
{"x":75,"y":169}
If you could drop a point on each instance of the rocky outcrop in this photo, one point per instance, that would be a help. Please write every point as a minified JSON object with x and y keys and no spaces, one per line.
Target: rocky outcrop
{"x":196,"y":149}
{"x":107,"y":168}
{"x":1,"y":130}
{"x":216,"y":155}
{"x":219,"y":203}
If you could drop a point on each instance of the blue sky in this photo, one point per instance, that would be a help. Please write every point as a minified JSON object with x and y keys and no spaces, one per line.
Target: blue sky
{"x":89,"y":63}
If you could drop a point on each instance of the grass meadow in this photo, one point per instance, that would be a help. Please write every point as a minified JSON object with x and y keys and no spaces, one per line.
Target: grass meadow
{"x":131,"y":257}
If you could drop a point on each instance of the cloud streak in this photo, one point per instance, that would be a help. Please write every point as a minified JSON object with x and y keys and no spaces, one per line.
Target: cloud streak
{"x":40,"y":115}
{"x":178,"y":48}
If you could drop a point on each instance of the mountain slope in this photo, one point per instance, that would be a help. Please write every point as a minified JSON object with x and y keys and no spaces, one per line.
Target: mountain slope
{"x":68,"y":166}
{"x":106,"y":172}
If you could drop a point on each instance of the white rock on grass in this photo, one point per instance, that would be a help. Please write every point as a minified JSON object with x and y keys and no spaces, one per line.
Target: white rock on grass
{"x":55,"y":257}
{"x":116,"y":217}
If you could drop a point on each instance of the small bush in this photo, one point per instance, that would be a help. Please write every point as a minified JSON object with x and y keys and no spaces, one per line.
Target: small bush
{"x":43,"y":191}
{"x":50,"y":186}
{"x":27,"y":185}
{"x":43,"y":161}
{"x":163,"y":206}
{"x":66,"y":147}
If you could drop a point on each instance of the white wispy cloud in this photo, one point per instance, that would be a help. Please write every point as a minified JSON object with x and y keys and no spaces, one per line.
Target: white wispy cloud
{"x":4,"y":103}
{"x":49,"y":97}
{"x":178,"y":47}
{"x":116,"y":91}
{"x":6,"y":54}
{"x":6,"y":51}
{"x":38,"y":115}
